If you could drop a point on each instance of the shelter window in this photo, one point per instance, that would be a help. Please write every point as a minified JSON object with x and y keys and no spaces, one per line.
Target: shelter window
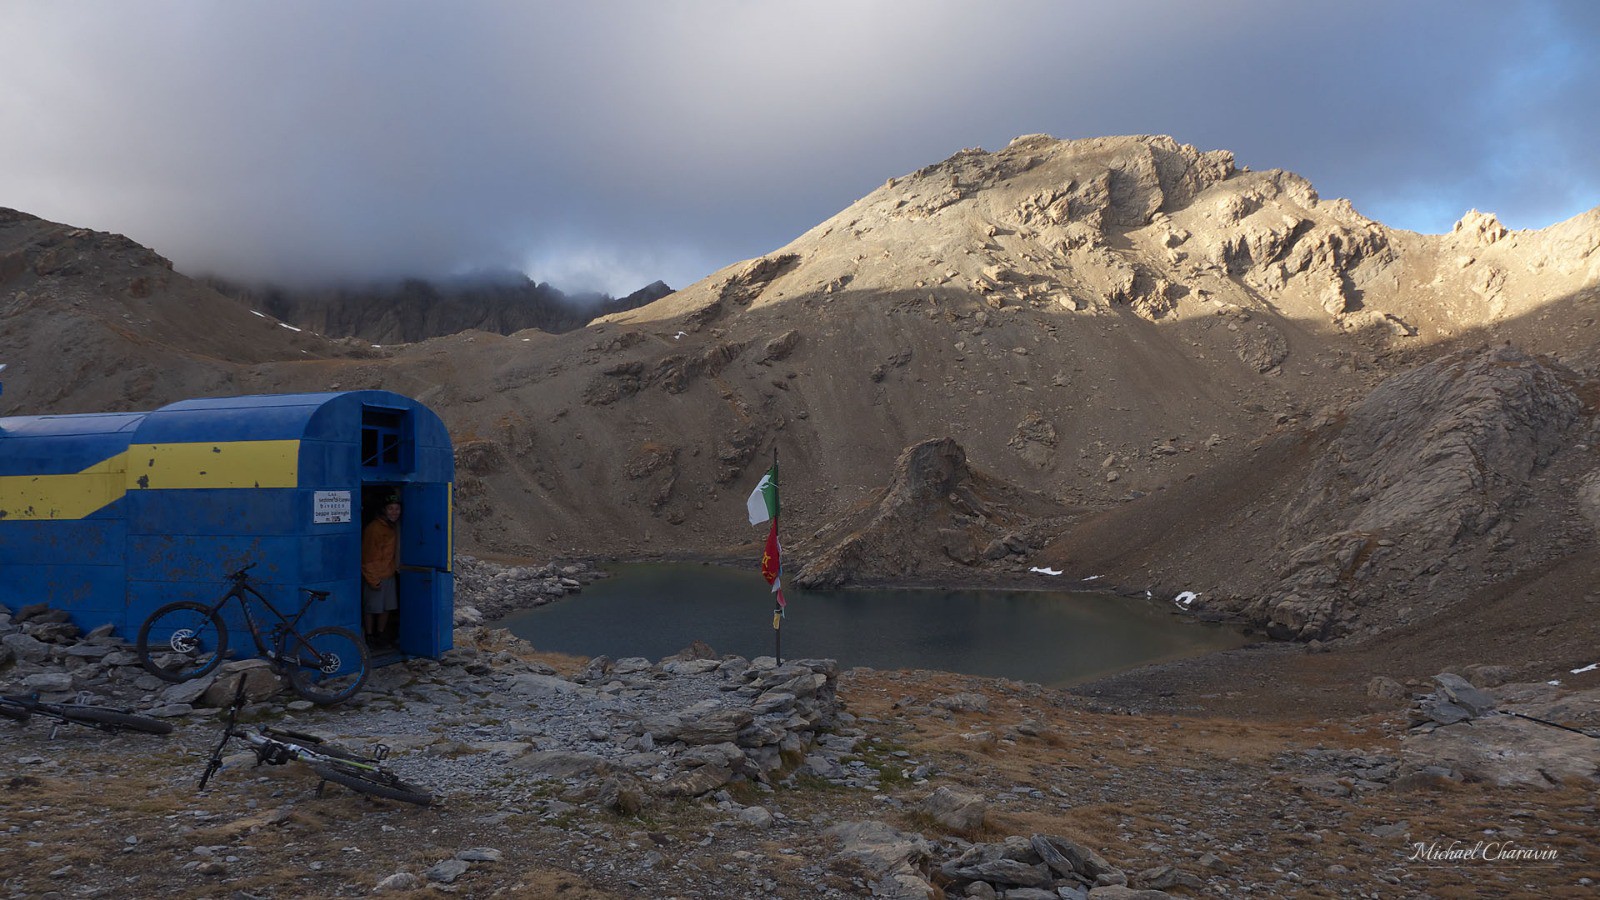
{"x":383,"y":443}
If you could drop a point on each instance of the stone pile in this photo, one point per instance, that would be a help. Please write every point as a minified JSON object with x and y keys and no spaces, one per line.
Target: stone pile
{"x":1041,"y":867}
{"x":683,"y":727}
{"x":619,"y":733}
{"x":1456,"y":700}
{"x":485,"y":591}
{"x":42,"y":651}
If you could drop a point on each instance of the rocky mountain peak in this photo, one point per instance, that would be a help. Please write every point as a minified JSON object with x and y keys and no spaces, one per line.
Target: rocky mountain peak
{"x":1144,"y":224}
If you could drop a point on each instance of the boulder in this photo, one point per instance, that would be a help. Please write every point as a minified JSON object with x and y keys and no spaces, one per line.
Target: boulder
{"x":757,"y":817}
{"x":560,"y":763}
{"x":260,"y":683}
{"x":879,"y":848}
{"x":1123,"y":892}
{"x":48,"y":682}
{"x":709,"y":722}
{"x":1067,"y":857}
{"x":1383,"y":687}
{"x":1504,"y":751}
{"x":448,"y":871}
{"x":190,"y":691}
{"x":1486,"y":676}
{"x":545,"y":687}
{"x":956,"y":810}
{"x":1463,"y":694}
{"x":26,"y":648}
{"x":697,"y":781}
{"x":1160,"y":878}
{"x":399,"y":881}
{"x":1008,"y":872}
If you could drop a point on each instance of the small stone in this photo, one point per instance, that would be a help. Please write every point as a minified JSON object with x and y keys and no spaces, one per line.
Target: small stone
{"x":480,"y":854}
{"x":758,"y":817}
{"x":48,"y":682}
{"x":1161,"y":878}
{"x":188,"y":691}
{"x":448,"y":871}
{"x":1385,"y":688}
{"x":399,"y":881}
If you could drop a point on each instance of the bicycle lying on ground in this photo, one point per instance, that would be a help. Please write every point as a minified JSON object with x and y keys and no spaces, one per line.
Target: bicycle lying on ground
{"x":186,"y":639}
{"x":21,"y":708}
{"x":275,"y":747}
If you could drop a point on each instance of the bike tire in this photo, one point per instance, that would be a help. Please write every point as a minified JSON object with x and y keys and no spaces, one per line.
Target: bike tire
{"x":190,"y":640}
{"x":327,"y":665}
{"x":14,"y":711}
{"x":390,"y":788}
{"x":113,"y":720}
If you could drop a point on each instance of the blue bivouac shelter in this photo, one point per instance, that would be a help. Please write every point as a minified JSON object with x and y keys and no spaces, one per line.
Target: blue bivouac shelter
{"x":111,"y":515}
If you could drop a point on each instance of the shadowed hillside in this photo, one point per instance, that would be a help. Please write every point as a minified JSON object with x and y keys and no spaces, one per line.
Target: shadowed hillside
{"x":1106,"y":324}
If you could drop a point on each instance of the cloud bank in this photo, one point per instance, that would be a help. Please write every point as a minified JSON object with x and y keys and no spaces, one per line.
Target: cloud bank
{"x":602,"y":146}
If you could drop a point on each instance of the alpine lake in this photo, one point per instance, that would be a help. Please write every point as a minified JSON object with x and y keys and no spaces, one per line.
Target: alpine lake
{"x":1054,"y":638}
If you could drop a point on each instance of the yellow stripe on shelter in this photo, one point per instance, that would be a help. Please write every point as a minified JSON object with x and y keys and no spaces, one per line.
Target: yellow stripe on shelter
{"x":71,"y":495}
{"x":226,"y":464}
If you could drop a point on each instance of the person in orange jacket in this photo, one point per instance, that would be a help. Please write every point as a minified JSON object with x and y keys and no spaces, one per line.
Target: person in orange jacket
{"x":380,"y":560}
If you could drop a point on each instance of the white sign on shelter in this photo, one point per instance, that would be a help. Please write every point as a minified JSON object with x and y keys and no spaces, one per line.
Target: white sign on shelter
{"x":330,"y":507}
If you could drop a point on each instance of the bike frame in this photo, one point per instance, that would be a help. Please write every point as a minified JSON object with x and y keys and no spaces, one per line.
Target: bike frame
{"x":265,"y":744}
{"x":286,"y":627}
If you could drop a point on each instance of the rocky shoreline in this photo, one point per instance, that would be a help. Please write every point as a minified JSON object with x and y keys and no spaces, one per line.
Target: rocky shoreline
{"x":709,"y":776}
{"x":487,"y":591}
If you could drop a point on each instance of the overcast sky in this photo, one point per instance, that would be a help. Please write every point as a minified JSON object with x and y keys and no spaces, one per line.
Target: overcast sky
{"x":603,"y":145}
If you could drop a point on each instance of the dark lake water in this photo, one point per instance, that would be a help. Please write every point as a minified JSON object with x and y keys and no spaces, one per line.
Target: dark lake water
{"x":1051,"y":637}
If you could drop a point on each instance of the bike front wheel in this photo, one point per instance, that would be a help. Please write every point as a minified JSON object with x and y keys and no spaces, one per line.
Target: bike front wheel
{"x":181,"y":641}
{"x":327,"y":665}
{"x":114,"y":720}
{"x":378,"y":784}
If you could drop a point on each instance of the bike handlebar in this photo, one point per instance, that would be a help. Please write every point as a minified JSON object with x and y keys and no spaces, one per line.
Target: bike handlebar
{"x":239,"y":575}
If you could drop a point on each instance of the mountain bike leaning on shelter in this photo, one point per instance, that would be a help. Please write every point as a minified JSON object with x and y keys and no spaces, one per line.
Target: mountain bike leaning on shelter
{"x":185,"y":640}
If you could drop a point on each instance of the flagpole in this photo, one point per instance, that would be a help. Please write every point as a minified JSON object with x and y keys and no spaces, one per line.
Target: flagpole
{"x":777,"y":607}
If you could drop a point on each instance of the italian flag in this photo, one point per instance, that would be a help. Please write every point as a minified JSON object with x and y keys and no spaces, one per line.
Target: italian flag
{"x":763,"y":506}
{"x":763,"y":502}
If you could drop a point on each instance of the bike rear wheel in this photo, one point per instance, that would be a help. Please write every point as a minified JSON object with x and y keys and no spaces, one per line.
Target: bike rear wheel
{"x":181,"y":641}
{"x":327,"y":665}
{"x":113,"y":720}
{"x":377,"y":784}
{"x":12,"y":710}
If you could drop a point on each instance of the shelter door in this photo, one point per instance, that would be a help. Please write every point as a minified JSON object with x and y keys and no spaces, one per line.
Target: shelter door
{"x":426,"y":612}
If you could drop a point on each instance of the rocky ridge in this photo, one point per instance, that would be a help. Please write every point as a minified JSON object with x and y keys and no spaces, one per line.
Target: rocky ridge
{"x":936,"y":516}
{"x":416,"y":309}
{"x":1450,"y":488}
